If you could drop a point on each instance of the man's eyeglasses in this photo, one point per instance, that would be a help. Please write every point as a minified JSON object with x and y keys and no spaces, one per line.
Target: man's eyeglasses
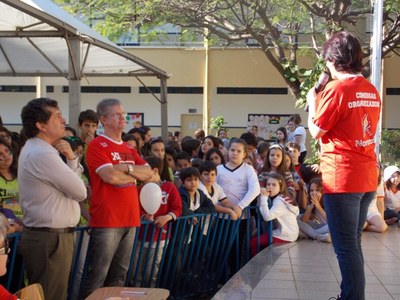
{"x":118,"y":115}
{"x":6,"y":249}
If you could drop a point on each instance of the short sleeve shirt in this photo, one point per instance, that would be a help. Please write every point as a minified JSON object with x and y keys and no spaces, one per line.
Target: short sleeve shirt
{"x":348,"y":110}
{"x":300,"y":130}
{"x":112,"y":205}
{"x":218,"y":194}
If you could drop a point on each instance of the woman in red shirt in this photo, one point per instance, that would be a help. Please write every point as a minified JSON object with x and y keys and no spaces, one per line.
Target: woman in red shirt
{"x":344,"y":116}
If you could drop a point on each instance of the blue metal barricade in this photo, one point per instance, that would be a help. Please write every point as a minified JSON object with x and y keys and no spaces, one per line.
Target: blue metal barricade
{"x":189,"y":258}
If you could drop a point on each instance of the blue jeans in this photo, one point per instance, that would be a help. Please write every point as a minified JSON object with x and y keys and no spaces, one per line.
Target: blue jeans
{"x":110,"y":250}
{"x":346,"y":215}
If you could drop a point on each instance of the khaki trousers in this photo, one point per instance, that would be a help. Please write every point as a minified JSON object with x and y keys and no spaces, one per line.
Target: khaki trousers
{"x":48,"y":258}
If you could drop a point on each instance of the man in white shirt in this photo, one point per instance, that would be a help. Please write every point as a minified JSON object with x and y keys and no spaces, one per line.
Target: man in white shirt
{"x":49,"y":194}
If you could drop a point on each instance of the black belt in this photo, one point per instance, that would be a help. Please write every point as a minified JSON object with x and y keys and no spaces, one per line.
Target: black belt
{"x":53,"y":230}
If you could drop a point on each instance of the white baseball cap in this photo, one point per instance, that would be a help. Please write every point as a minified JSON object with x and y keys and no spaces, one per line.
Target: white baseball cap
{"x":389,"y":171}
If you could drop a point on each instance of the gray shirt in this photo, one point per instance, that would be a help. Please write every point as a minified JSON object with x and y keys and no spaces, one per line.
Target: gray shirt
{"x":49,"y":189}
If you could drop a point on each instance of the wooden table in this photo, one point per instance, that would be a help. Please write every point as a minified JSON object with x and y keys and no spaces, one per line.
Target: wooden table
{"x":125,"y":293}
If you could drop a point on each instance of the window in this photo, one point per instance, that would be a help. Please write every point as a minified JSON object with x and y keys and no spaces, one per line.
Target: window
{"x":252,"y":90}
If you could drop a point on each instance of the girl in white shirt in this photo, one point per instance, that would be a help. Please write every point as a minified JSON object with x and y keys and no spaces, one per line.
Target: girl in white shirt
{"x":240,"y":184}
{"x":391,"y":176}
{"x":285,"y":214}
{"x":238,"y":179}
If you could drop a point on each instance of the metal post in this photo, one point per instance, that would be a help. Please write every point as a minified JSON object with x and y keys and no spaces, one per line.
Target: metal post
{"x":164,"y":108}
{"x":376,"y":61}
{"x":74,"y":91}
{"x":206,"y":92}
{"x":40,"y":87}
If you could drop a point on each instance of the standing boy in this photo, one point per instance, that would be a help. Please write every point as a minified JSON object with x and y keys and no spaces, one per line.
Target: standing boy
{"x":208,"y":176}
{"x":193,"y":199}
{"x":88,"y":122}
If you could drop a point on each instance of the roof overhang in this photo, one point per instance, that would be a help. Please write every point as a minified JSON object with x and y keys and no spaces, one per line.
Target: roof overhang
{"x":35,"y":40}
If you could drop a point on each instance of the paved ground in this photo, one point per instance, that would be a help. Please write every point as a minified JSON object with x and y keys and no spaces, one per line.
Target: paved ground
{"x":309,"y":270}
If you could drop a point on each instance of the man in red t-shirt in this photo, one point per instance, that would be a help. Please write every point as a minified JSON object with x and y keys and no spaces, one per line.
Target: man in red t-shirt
{"x":114,"y":166}
{"x":344,"y":116}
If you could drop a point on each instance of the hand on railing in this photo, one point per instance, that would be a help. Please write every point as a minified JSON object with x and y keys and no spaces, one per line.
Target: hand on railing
{"x":160,"y":221}
{"x":234,"y":215}
{"x":238,"y":211}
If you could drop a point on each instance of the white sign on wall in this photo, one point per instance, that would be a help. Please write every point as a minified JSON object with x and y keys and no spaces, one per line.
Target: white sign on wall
{"x":267,"y":124}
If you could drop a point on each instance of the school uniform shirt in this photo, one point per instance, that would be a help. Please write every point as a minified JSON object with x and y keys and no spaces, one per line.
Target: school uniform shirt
{"x":112,"y":205}
{"x":216,"y":195}
{"x":286,"y":215}
{"x":392,"y":199}
{"x":348,"y":110}
{"x":240,"y":184}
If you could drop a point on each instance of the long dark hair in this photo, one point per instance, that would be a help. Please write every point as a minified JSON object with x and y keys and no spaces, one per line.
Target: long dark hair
{"x":285,"y":136}
{"x":218,"y":152}
{"x":165,"y":174}
{"x":267,"y":165}
{"x":318,"y":182}
{"x":14,"y":165}
{"x":215,"y":145}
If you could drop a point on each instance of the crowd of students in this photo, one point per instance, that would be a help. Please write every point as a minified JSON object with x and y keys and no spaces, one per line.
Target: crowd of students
{"x":207,"y":174}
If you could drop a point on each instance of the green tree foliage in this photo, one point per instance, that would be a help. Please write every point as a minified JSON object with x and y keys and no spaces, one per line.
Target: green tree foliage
{"x":217,"y":123}
{"x":282,"y":29}
{"x":390,"y":149}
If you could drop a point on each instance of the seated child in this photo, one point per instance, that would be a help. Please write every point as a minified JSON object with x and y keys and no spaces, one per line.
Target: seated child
{"x":208,"y":176}
{"x":391,"y":176}
{"x":313,"y":222}
{"x":287,"y":229}
{"x":375,"y":221}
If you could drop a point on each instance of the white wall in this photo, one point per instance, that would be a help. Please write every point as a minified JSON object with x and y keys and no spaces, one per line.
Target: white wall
{"x":227,"y":68}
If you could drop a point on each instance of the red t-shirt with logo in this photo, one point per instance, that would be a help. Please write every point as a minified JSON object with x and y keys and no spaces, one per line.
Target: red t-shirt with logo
{"x":348,"y":110}
{"x":112,"y":205}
